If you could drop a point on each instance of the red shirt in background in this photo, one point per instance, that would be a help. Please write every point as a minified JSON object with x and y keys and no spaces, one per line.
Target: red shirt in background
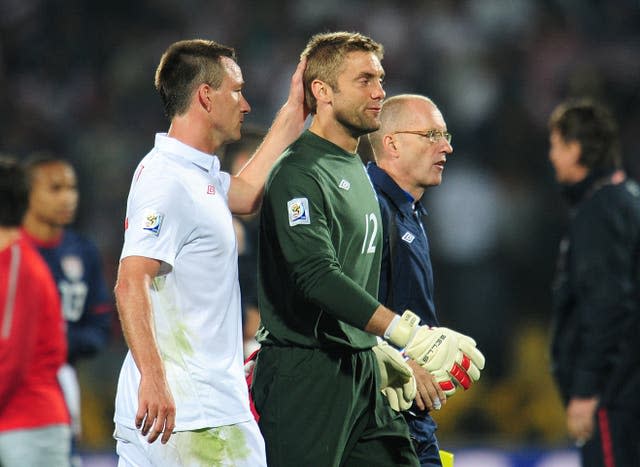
{"x":32,"y":341}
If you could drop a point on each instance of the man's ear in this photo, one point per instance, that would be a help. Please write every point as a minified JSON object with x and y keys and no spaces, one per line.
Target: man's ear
{"x":389,"y":145}
{"x":204,"y":96}
{"x":575,"y":149}
{"x":321,"y":91}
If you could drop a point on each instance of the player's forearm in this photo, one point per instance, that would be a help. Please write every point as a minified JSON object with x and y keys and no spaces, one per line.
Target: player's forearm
{"x":134,"y":309}
{"x":336,"y":294}
{"x":247,"y":186}
{"x":286,"y":127}
{"x":380,"y":321}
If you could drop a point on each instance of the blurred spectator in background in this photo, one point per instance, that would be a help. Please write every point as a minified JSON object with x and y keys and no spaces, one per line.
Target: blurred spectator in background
{"x":236,"y":155}
{"x":76,"y":265}
{"x":411,"y":148}
{"x":34,"y":421}
{"x":596,"y":293}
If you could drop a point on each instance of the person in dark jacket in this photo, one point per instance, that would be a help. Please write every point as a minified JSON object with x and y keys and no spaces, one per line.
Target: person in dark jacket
{"x":411,"y":148}
{"x":596,"y":305}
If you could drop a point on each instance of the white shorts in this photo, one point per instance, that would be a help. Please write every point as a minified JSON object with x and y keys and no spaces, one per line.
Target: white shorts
{"x":239,"y":445}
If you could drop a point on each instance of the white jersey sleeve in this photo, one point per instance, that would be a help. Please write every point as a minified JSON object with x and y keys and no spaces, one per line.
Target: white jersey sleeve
{"x":157,"y":211}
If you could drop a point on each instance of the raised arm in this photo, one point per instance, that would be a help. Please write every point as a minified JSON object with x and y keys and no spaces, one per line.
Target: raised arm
{"x":245,"y":192}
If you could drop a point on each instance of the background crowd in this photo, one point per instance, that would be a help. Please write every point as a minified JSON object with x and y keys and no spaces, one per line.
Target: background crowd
{"x":76,"y":78}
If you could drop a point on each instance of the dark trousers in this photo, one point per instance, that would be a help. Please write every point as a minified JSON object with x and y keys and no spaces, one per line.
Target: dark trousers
{"x":616,"y":441}
{"x":423,"y":435}
{"x":321,"y":409}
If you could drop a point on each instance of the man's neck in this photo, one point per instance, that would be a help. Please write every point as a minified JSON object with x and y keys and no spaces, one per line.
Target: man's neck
{"x":8,"y":235}
{"x":41,"y":231}
{"x":416,"y":192}
{"x":192,"y":132}
{"x":333,"y":131}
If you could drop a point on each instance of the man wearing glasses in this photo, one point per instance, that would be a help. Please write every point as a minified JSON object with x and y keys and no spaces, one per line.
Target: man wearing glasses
{"x":411,"y":148}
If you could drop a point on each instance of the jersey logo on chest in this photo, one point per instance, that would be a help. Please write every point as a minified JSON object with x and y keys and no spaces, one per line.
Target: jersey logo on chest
{"x":408,"y":237}
{"x":344,"y":184}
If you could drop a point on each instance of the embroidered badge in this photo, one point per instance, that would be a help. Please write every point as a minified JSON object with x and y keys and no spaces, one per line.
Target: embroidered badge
{"x":153,"y":222}
{"x":408,"y":237}
{"x":211,"y":190}
{"x":72,"y":267}
{"x":298,"y":209}
{"x":344,"y":184}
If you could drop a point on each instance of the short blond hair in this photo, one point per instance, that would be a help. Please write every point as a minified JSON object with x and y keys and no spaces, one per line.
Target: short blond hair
{"x":325,"y":53}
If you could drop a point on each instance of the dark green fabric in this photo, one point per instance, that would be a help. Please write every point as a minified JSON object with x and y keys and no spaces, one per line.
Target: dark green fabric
{"x":318,"y":280}
{"x":323,"y":409}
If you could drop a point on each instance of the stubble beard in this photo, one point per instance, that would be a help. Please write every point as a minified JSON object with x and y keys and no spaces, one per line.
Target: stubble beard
{"x":356,"y":123}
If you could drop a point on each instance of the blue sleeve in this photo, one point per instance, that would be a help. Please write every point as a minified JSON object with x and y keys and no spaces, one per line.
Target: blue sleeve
{"x":92,"y":331}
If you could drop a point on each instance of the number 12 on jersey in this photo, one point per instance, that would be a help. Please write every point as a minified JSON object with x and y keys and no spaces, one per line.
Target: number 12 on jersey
{"x":369,"y":243}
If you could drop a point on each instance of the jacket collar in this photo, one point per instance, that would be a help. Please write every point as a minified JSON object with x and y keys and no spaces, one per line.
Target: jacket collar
{"x":595,"y":179}
{"x":403,"y":201}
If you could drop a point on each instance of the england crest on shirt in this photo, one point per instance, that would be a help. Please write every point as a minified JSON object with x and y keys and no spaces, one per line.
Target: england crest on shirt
{"x":152,"y":222}
{"x":72,"y":267}
{"x":408,"y":237}
{"x":298,"y":210}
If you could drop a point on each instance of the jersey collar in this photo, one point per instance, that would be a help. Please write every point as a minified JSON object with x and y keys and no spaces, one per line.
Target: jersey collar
{"x":208,"y":162}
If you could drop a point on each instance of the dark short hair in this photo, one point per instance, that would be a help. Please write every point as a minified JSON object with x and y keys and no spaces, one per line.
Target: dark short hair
{"x":184,"y":66}
{"x":593,"y":127}
{"x":325,"y":53}
{"x":14,"y":195}
{"x":38,"y":159}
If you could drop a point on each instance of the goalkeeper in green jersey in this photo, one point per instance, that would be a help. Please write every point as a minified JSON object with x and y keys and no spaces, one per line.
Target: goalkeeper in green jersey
{"x":317,"y":383}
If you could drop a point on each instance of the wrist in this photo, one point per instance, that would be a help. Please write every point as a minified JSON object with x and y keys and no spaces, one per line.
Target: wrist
{"x":402,"y":329}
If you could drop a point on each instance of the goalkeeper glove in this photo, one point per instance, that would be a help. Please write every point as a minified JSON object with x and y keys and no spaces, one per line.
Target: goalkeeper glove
{"x":397,"y":381}
{"x":437,"y":349}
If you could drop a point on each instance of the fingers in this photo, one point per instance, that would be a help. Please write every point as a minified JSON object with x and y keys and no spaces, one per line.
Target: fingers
{"x":154,"y":422}
{"x":448,"y":387}
{"x":429,"y":394}
{"x":458,"y":373}
{"x":581,"y":418}
{"x":468,"y":346}
{"x":464,"y":371}
{"x":296,"y":92}
{"x":297,"y":75}
{"x":392,"y":397}
{"x":162,"y":424}
{"x":140,"y":415}
{"x":581,"y":432}
{"x":409,"y":391}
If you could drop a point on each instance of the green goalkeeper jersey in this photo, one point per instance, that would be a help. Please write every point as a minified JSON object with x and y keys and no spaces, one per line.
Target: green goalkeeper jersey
{"x":320,"y":248}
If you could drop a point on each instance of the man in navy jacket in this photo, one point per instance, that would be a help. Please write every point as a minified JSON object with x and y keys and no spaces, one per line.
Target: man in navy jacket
{"x":411,"y":149}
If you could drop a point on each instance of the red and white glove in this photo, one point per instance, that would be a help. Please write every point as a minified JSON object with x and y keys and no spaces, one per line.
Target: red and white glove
{"x":441,"y":351}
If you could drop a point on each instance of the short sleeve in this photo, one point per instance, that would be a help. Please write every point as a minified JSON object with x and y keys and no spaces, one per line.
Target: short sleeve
{"x":156,"y":224}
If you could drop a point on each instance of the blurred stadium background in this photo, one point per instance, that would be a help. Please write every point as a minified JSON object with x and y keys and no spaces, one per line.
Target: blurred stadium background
{"x":76,"y":77}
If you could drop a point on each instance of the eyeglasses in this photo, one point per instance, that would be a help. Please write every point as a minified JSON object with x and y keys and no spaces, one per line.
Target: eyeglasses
{"x":433,"y":135}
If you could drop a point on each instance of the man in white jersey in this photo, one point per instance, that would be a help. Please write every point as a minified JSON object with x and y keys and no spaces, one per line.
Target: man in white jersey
{"x":177,"y":291}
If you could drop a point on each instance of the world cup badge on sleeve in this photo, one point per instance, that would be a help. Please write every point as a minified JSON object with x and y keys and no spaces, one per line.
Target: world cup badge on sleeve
{"x":298,"y":209}
{"x":152,"y":222}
